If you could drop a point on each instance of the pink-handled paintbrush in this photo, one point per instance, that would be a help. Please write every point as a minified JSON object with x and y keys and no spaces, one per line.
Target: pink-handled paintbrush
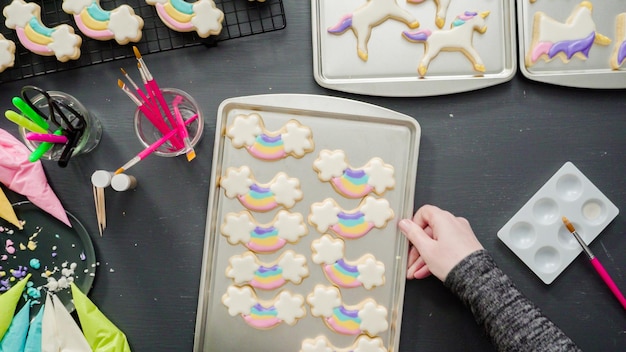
{"x":596,"y":264}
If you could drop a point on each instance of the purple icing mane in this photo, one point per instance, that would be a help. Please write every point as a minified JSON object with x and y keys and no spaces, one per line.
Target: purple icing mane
{"x":621,"y":53}
{"x":344,"y":23}
{"x":417,"y":36}
{"x":346,"y":216}
{"x":571,"y":47}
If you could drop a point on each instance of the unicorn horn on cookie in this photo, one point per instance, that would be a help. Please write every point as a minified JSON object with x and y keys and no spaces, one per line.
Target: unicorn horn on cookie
{"x":60,"y":41}
{"x":95,"y":22}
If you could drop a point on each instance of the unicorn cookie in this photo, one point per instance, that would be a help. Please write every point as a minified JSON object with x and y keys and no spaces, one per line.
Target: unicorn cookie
{"x":375,"y":176}
{"x":368,"y":16}
{"x":575,"y":37}
{"x":442,"y":10}
{"x":619,"y":51}
{"x":353,"y":224}
{"x":284,"y":308}
{"x":366,"y":317}
{"x":201,"y":16}
{"x":365,"y":271}
{"x":457,"y":38}
{"x":7,"y":53}
{"x":363,"y":343}
{"x":248,"y":269}
{"x":93,"y":21}
{"x":60,"y":41}
{"x":240,"y":183}
{"x":248,"y":131}
{"x":264,"y":238}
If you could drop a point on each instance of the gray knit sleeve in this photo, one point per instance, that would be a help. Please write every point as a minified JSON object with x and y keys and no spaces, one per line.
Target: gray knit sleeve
{"x":510,"y":319}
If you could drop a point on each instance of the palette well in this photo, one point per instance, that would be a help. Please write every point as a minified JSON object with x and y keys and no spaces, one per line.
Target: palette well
{"x":536,"y":233}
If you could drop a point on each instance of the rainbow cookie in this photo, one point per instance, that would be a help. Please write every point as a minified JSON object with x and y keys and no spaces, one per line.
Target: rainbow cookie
{"x":363,"y":343}
{"x":201,"y":16}
{"x":442,"y":10}
{"x":458,"y":38}
{"x":264,"y":238}
{"x":619,"y":51}
{"x":574,"y":38}
{"x":375,"y":176}
{"x":7,"y":53}
{"x":356,"y":223}
{"x":366,"y":317}
{"x":247,"y":269}
{"x":368,"y":16}
{"x":285,"y":307}
{"x":93,"y":21}
{"x":240,"y":183}
{"x":365,"y":271}
{"x":60,"y":41}
{"x":248,"y":131}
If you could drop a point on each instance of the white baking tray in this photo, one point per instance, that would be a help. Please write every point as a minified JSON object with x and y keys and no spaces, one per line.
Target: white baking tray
{"x":591,"y":70}
{"x":392,"y":62}
{"x":363,"y":131}
{"x":536,"y":233}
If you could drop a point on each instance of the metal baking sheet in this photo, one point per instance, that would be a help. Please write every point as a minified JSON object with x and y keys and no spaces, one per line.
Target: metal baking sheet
{"x":391,"y":68}
{"x":363,"y":131}
{"x":599,"y":20}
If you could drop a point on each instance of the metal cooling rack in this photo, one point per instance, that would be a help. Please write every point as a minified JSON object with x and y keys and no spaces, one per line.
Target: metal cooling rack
{"x":241,"y":18}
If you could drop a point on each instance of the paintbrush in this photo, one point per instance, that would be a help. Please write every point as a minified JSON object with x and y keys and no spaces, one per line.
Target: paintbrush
{"x":153,"y":117}
{"x":140,"y":92}
{"x":154,"y":146}
{"x":191,"y":153}
{"x":596,"y":264}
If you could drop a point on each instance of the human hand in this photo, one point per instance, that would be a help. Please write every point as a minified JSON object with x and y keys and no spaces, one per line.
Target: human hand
{"x":439,"y":241}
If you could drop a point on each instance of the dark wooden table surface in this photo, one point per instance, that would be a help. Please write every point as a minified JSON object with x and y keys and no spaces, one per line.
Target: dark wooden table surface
{"x":483,"y":154}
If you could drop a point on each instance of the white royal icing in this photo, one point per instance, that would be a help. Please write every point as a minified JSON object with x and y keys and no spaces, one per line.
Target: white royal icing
{"x":294,"y":266}
{"x":377,"y":211}
{"x":237,"y":227}
{"x":323,"y":300}
{"x":579,"y":25}
{"x":324,"y":214}
{"x":289,"y":307}
{"x":296,"y":139}
{"x":371,"y":272}
{"x":363,"y":343}
{"x":330,"y":164}
{"x":286,"y":190}
{"x":373,"y":318}
{"x":380,"y":175}
{"x":239,"y":300}
{"x":65,"y":43}
{"x":242,"y":267}
{"x":290,"y":226}
{"x":7,"y":53}
{"x":125,"y":25}
{"x":327,"y":250}
{"x":244,"y":130}
{"x":237,"y":181}
{"x":208,"y":18}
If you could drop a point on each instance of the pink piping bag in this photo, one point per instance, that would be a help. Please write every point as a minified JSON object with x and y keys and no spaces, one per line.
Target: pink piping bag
{"x":27,"y":178}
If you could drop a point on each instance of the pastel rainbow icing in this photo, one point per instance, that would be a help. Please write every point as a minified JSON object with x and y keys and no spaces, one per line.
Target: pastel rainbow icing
{"x":343,"y":274}
{"x":201,"y":16}
{"x":268,"y":147}
{"x":247,"y":269}
{"x":60,"y":41}
{"x":282,"y":190}
{"x":375,"y":176}
{"x":345,"y":321}
{"x":575,"y":37}
{"x":367,"y":317}
{"x":249,"y":132}
{"x":285,"y":307}
{"x":265,"y":239}
{"x":259,"y":198}
{"x":285,"y":228}
{"x":261,"y":317}
{"x":95,"y":22}
{"x":365,"y":271}
{"x":352,"y":224}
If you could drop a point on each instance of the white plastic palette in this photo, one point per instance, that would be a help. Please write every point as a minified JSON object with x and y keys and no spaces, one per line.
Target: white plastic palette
{"x":536,"y":233}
